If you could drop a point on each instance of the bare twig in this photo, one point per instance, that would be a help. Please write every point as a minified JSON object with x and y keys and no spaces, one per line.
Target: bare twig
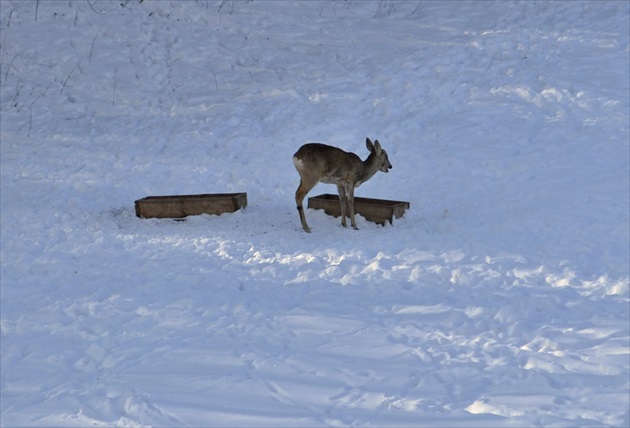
{"x":230,"y":5}
{"x":10,"y":14}
{"x":92,"y":47}
{"x":40,"y":95}
{"x":36,"y":8}
{"x":6,"y":74}
{"x":30,"y":125}
{"x":417,"y":7}
{"x":27,"y":98}
{"x":385,"y":8}
{"x":18,"y":88}
{"x":94,"y":10}
{"x":216,"y":83}
{"x":67,"y":78}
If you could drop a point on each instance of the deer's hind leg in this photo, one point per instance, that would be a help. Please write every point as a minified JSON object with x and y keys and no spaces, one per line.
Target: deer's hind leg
{"x":300,"y":193}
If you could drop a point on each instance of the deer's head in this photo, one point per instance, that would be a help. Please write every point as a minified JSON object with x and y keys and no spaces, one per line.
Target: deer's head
{"x":380,"y":155}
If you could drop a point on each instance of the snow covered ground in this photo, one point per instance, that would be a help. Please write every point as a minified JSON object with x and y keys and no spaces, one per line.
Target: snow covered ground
{"x":500,"y":299}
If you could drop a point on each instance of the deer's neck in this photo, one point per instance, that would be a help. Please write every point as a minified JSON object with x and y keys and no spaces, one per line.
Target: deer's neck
{"x":370,"y":167}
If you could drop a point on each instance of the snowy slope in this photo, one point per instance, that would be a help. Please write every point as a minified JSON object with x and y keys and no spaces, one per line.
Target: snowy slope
{"x":500,"y":299}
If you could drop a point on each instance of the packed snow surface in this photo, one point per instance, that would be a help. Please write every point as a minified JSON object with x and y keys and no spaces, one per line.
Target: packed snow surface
{"x":501,"y":298}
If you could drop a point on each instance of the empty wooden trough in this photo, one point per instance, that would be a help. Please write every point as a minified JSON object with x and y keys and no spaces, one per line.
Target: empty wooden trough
{"x":185,"y":205}
{"x":375,"y":210}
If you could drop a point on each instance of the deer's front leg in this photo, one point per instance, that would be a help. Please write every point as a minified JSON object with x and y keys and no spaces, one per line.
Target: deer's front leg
{"x":342,"y":200}
{"x":350,"y":197}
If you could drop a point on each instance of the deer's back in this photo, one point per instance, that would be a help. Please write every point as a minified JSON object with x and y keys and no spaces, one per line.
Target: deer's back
{"x":320,"y":154}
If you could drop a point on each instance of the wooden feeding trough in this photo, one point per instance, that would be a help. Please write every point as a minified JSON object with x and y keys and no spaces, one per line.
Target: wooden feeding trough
{"x":374,"y":210}
{"x":185,"y":205}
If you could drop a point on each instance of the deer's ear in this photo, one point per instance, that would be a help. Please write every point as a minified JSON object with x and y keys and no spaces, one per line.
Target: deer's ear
{"x":369,"y":145}
{"x":377,"y":146}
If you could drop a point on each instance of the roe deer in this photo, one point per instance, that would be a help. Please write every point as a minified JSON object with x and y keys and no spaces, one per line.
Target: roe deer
{"x":319,"y":162}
